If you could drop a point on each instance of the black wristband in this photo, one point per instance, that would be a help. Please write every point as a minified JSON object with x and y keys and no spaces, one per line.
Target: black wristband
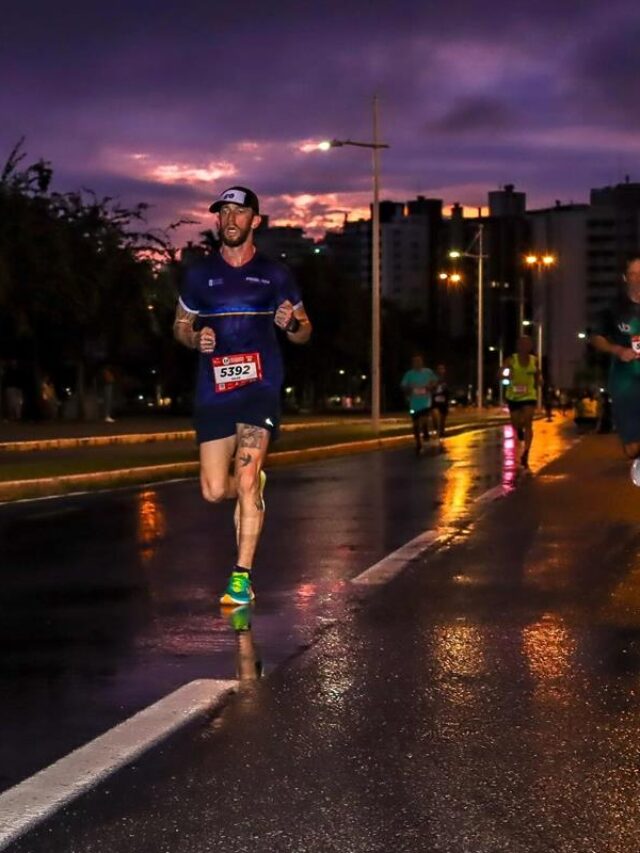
{"x":293,"y":325}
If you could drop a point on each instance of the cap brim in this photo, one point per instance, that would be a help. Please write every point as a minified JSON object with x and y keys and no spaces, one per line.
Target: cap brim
{"x":215,"y":207}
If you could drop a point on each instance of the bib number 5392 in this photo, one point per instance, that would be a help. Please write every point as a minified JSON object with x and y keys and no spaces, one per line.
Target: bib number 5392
{"x":233,"y":371}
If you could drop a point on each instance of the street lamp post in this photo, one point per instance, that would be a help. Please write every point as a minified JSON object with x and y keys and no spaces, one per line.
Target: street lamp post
{"x":479,"y":258}
{"x":375,"y":147}
{"x":540,"y":263}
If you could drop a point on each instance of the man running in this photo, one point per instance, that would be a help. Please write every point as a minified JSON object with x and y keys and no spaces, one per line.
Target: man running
{"x":618,"y":335}
{"x":524,"y":378}
{"x":441,"y":401}
{"x":230,"y":303}
{"x":417,"y":385}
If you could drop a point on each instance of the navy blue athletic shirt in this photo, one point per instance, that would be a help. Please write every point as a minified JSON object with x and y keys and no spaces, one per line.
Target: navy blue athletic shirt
{"x":239,"y":304}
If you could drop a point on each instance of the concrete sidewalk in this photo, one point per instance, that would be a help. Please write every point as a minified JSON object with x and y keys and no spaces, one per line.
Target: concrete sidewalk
{"x":484,"y":701}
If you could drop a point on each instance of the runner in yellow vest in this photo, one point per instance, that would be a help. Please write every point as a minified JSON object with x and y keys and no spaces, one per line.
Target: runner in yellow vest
{"x":524,"y":378}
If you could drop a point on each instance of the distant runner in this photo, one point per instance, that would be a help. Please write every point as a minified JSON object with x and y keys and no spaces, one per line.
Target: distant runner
{"x":441,"y":397}
{"x":618,"y":335}
{"x":417,"y":384}
{"x":522,"y":391}
{"x":230,"y":305}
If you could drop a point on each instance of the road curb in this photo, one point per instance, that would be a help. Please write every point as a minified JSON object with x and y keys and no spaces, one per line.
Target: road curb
{"x":28,"y":445}
{"x":14,"y":489}
{"x":52,"y":486}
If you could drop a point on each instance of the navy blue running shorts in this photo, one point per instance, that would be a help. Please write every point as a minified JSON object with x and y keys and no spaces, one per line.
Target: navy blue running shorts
{"x":626,"y":414}
{"x":518,"y":405}
{"x":255,"y":406}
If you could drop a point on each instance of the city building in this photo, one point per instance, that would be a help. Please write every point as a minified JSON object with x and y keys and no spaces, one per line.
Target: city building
{"x":613,"y":232}
{"x":560,"y":291}
{"x":350,"y":248}
{"x":409,"y":238}
{"x":285,"y":243}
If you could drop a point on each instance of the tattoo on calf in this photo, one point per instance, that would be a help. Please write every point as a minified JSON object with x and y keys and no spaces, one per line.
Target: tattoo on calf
{"x":244,"y":460}
{"x":252,"y":436}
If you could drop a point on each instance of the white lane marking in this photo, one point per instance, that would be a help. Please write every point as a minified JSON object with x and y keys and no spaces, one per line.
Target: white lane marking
{"x":129,"y":487}
{"x":387,"y":568}
{"x":391,"y":565}
{"x":31,"y":801}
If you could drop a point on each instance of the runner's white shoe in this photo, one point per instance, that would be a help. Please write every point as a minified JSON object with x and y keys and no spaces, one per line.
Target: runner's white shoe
{"x":635,"y":472}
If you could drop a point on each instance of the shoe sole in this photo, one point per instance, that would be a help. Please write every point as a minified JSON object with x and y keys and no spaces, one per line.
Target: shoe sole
{"x":229,"y":600}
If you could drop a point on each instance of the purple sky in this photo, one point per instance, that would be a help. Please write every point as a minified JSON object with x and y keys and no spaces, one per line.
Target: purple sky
{"x":169,"y":103}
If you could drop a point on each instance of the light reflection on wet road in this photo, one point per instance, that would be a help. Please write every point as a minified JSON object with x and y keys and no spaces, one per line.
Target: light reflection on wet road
{"x":109,"y":600}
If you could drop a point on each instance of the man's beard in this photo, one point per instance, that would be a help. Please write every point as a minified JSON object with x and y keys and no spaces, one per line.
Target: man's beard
{"x":233,"y":242}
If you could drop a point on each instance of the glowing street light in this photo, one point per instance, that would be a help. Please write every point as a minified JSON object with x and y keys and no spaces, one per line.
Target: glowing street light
{"x":540,"y":262}
{"x":453,"y":277}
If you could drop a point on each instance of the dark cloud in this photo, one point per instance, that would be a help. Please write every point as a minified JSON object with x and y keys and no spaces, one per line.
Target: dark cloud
{"x":471,"y":115}
{"x":470,"y":95}
{"x":603,"y":80}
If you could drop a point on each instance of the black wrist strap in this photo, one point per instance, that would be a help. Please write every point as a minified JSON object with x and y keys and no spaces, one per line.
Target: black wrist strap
{"x":293,"y":325}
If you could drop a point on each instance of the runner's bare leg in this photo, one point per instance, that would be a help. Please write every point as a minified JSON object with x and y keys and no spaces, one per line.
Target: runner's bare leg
{"x":215,"y":460}
{"x":527,"y":425}
{"x":252,"y":445}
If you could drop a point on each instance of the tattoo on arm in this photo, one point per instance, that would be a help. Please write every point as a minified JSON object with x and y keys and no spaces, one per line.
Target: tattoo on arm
{"x":244,"y":460}
{"x":252,"y":436}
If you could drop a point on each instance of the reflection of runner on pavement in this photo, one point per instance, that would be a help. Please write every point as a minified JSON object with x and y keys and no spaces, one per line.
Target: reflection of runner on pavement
{"x":248,"y":663}
{"x":230,"y":304}
{"x":417,"y":385}
{"x":524,"y":378}
{"x":618,"y":335}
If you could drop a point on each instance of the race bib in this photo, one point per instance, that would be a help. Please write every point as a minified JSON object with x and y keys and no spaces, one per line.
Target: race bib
{"x":439,"y":398}
{"x":520,"y":389}
{"x":233,"y":371}
{"x":419,"y":392}
{"x":635,"y":343}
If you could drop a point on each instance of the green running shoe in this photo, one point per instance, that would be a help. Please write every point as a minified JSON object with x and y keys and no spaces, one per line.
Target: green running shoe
{"x":240,"y":618}
{"x":239,"y":589}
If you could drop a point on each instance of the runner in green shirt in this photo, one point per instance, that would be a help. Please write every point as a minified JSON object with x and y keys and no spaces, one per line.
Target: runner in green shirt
{"x":524,"y":377}
{"x":618,"y":335}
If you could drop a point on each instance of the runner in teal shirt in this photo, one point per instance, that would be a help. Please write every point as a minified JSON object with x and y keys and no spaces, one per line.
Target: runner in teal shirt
{"x":618,"y":335}
{"x":418,"y":384}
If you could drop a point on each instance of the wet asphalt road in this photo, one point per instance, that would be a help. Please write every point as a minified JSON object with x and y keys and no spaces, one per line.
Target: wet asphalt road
{"x":485,"y":701}
{"x":109,"y":600}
